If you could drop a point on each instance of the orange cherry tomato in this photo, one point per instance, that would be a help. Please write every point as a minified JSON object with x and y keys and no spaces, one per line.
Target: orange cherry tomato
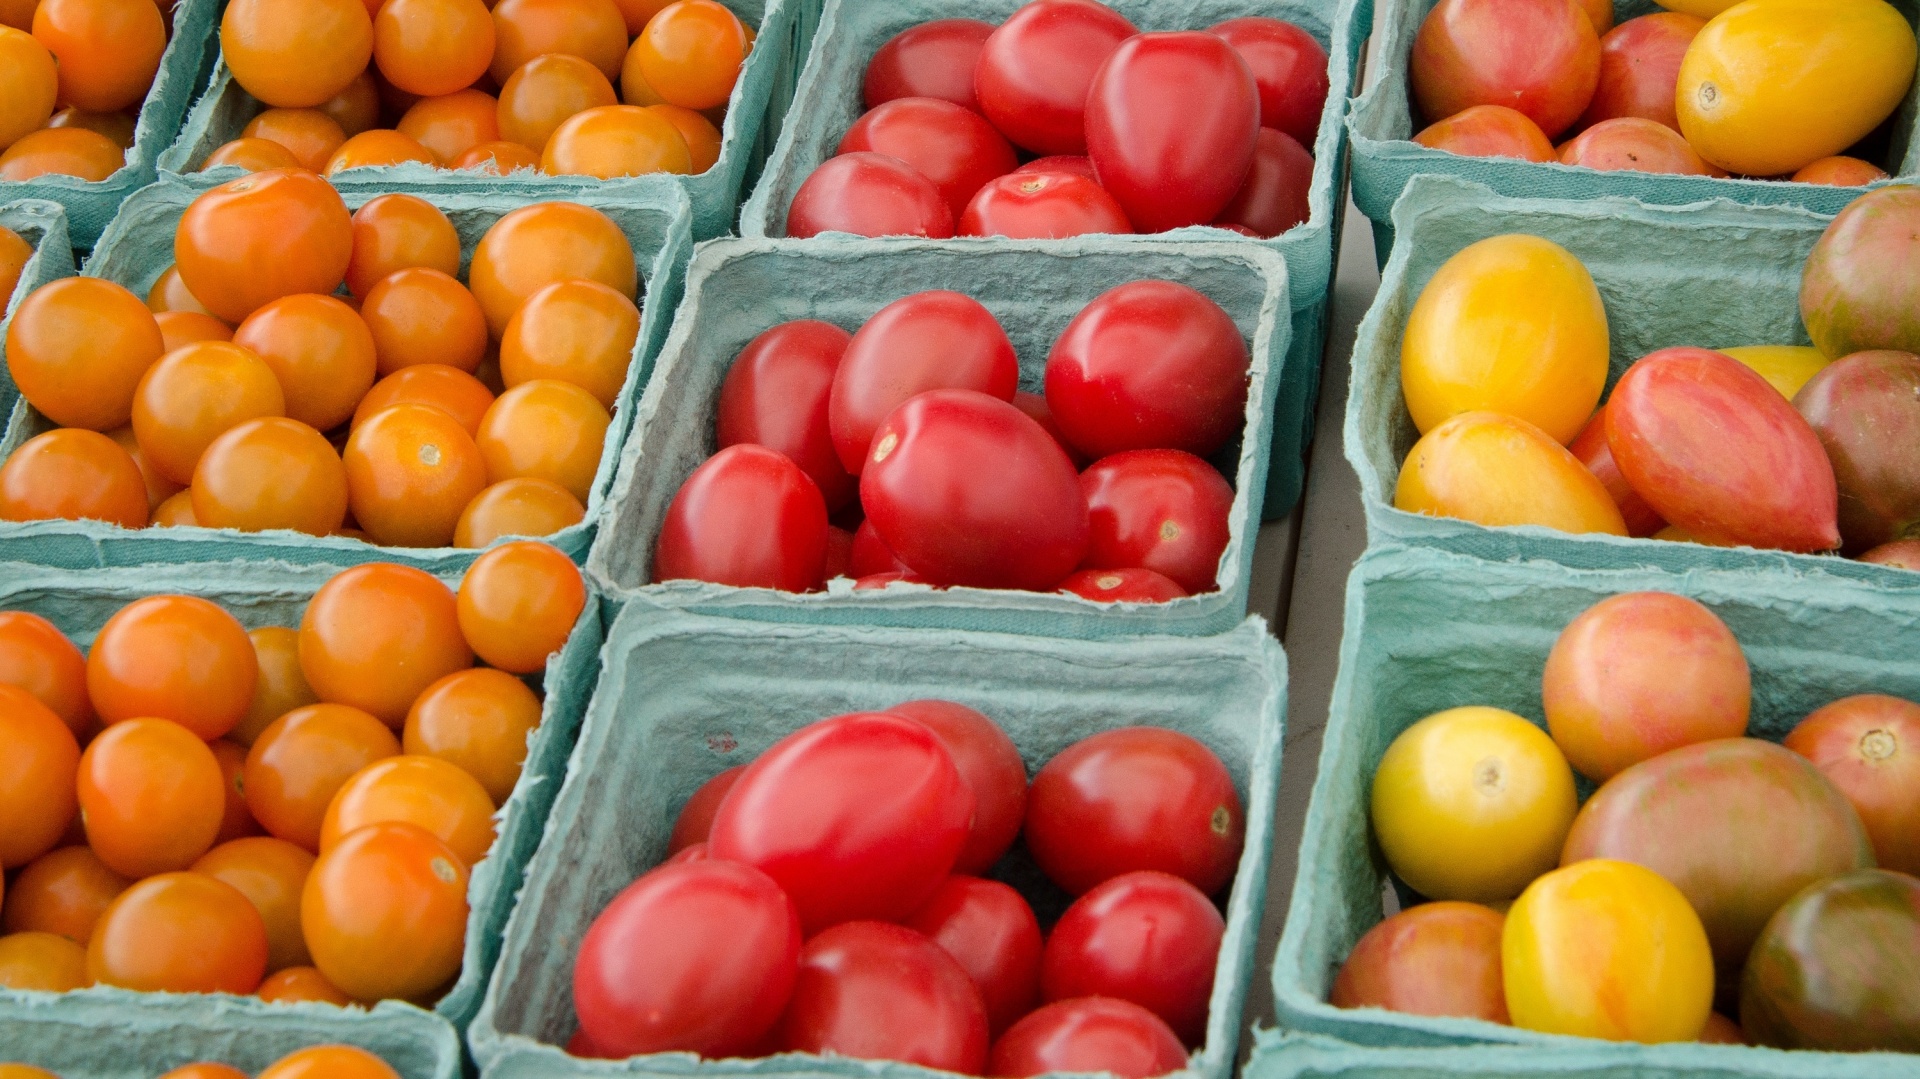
{"x":178,"y":328}
{"x":309,"y":134}
{"x":77,"y":347}
{"x":108,"y":50}
{"x":640,"y":12}
{"x":176,"y":512}
{"x":547,"y":429}
{"x":73,"y":474}
{"x":296,"y":984}
{"x":593,"y":30}
{"x":237,"y":821}
{"x":426,"y":791}
{"x":355,"y":109}
{"x":205,"y":1070}
{"x":159,"y":488}
{"x":270,"y":873}
{"x":116,"y":126}
{"x":432,"y":47}
{"x":478,"y":720}
{"x":169,"y":293}
{"x":151,"y":797}
{"x":517,"y":604}
{"x":194,"y":396}
{"x":393,"y":232}
{"x":526,"y":506}
{"x":301,"y":760}
{"x":702,"y":137}
{"x":38,"y":658}
{"x":253,"y":155}
{"x":179,"y":658}
{"x":250,"y":241}
{"x":180,"y":933}
{"x":534,"y":246}
{"x":296,"y":54}
{"x":613,"y":141}
{"x":321,"y":352}
{"x":25,"y":1071}
{"x":378,"y":146}
{"x":29,"y":85}
{"x":411,"y":469}
{"x":37,"y":787}
{"x":330,"y":1062}
{"x":420,"y":315}
{"x":44,"y":961}
{"x":281,"y":687}
{"x":14,"y":253}
{"x":376,"y":635}
{"x":544,"y":91}
{"x":691,"y":53}
{"x":498,"y":158}
{"x":271,"y":473}
{"x":580,"y":332}
{"x":448,"y":389}
{"x":63,"y":891}
{"x":385,"y":912}
{"x":453,"y":123}
{"x":62,"y":151}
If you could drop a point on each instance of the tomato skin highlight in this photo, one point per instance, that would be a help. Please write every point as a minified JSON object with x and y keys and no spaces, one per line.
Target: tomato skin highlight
{"x":1146,"y":937}
{"x":883,"y":992}
{"x":1035,"y":71}
{"x":992,"y":933}
{"x":775,"y":395}
{"x":747,"y":517}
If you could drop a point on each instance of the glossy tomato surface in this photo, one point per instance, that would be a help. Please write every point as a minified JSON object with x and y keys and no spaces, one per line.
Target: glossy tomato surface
{"x":990,"y":764}
{"x":882,"y":992}
{"x":1146,"y":937}
{"x":1034,"y":72}
{"x":992,"y":933}
{"x":747,"y":517}
{"x":1290,"y":68}
{"x":1273,"y":198}
{"x":1163,"y":510}
{"x":1089,"y":1034}
{"x":1043,"y":206}
{"x":935,"y":59}
{"x":869,"y":194}
{"x":1123,"y":586}
{"x":947,"y":143}
{"x":1590,"y":447}
{"x":775,"y":395}
{"x":1541,"y":57}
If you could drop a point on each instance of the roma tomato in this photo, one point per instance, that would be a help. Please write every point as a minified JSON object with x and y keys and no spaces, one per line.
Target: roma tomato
{"x":1541,"y":57}
{"x":869,"y":195}
{"x":1122,"y":586}
{"x":697,"y":958}
{"x":1432,"y":959}
{"x":1089,"y":1034}
{"x":1590,"y":448}
{"x":1043,"y":206}
{"x":858,"y":816}
{"x":696,"y":817}
{"x":1836,"y":968}
{"x":880,"y":992}
{"x":1163,"y":510}
{"x":1144,"y":937}
{"x":1172,"y":125}
{"x":1290,"y":68}
{"x":992,"y":933}
{"x":1869,"y":747}
{"x":1640,"y":67}
{"x":1489,"y":131}
{"x":1021,"y":522}
{"x":1273,"y":198}
{"x":935,"y":59}
{"x":1133,"y":799}
{"x":946,"y":143}
{"x":991,"y":766}
{"x":748,"y":517}
{"x":1499,"y":470}
{"x":1035,"y":70}
{"x":775,"y":395}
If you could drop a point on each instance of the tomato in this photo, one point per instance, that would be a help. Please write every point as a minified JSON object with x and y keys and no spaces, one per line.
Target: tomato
{"x":321,"y":352}
{"x":380,"y":146}
{"x":173,"y":657}
{"x":73,"y":474}
{"x":479,"y":720}
{"x":1860,"y":406}
{"x":270,"y":473}
{"x":295,"y":984}
{"x":747,"y":517}
{"x":433,"y":47}
{"x":1163,"y":510}
{"x":534,"y":246}
{"x":411,"y":470}
{"x":180,"y":933}
{"x":296,"y":54}
{"x":1541,"y":57}
{"x":690,"y":828}
{"x":691,"y":53}
{"x":702,"y":137}
{"x":394,"y":232}
{"x":152,"y":797}
{"x":992,"y":933}
{"x":205,"y":1071}
{"x":1144,"y":937}
{"x":1840,"y":171}
{"x":1036,"y":408}
{"x":270,"y":873}
{"x":77,"y":347}
{"x":526,"y":506}
{"x":1590,"y":447}
{"x":1035,"y":72}
{"x":869,"y":194}
{"x":116,"y":126}
{"x":375,"y":636}
{"x":385,"y":912}
{"x":42,"y":961}
{"x":1869,"y":747}
{"x":1472,"y":779}
{"x":178,"y":328}
{"x":63,"y":151}
{"x":1132,"y":585}
{"x":193,"y":396}
{"x":875,"y":991}
{"x":926,"y":341}
{"x":250,"y":241}
{"x":616,"y":140}
{"x":1043,"y":206}
{"x":64,"y":892}
{"x":37,"y":787}
{"x":1068,"y":163}
{"x":944,"y":142}
{"x":1835,"y":967}
{"x":37,"y":657}
{"x":30,"y":81}
{"x":1433,"y":959}
{"x":518,"y":603}
{"x":547,"y":429}
{"x":689,"y":958}
{"x":236,"y":822}
{"x":1288,"y":66}
{"x":1089,"y":1034}
{"x":871,"y":555}
{"x":14,"y":251}
{"x":593,"y":30}
{"x":355,"y":108}
{"x":580,"y":332}
{"x":451,"y":124}
{"x":253,"y":155}
{"x":309,"y":134}
{"x":1630,"y":143}
{"x":281,"y":686}
{"x":991,"y":766}
{"x":299,"y":762}
{"x":935,"y":59}
{"x":1852,"y":296}
{"x":1273,"y":198}
{"x":1498,"y":470}
{"x":420,"y":315}
{"x":1640,"y":66}
{"x":855,"y":816}
{"x":330,"y":1062}
{"x":425,"y":791}
{"x":1606,"y":949}
{"x":1489,"y":131}
{"x":1149,"y":365}
{"x":545,"y":91}
{"x":776,"y":395}
{"x":107,"y":50}
{"x":448,"y":389}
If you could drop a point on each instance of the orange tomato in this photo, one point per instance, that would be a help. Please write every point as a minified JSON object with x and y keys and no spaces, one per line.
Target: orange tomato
{"x":321,"y":352}
{"x":448,"y":389}
{"x":62,"y":151}
{"x":426,"y":791}
{"x":300,"y":761}
{"x":179,"y":658}
{"x":478,"y":720}
{"x":498,"y":158}
{"x":76,"y":349}
{"x":178,"y":328}
{"x":43,"y":961}
{"x":379,"y":146}
{"x":180,"y":933}
{"x":420,"y":315}
{"x":309,"y":134}
{"x":271,"y":473}
{"x":296,"y":54}
{"x":17,"y":13}
{"x":613,"y":141}
{"x":526,"y":506}
{"x":411,"y":469}
{"x":194,"y":396}
{"x":702,"y":138}
{"x":175,"y":512}
{"x":253,"y":155}
{"x":37,"y":787}
{"x":593,"y":30}
{"x":1499,"y":470}
{"x":376,"y":635}
{"x":639,"y":12}
{"x":63,"y":891}
{"x":14,"y":253}
{"x":580,"y":332}
{"x":385,"y":912}
{"x":169,"y":293}
{"x":205,"y":1070}
{"x":355,"y":109}
{"x":107,"y":50}
{"x":330,"y":1062}
{"x":517,"y":604}
{"x":296,"y":984}
{"x":270,"y":873}
{"x":25,"y":1071}
{"x":691,"y":53}
{"x":29,"y":84}
{"x":73,"y":474}
{"x":547,"y":429}
{"x":38,"y":658}
{"x":544,"y":91}
{"x":237,"y":822}
{"x":116,"y":126}
{"x":394,"y":232}
{"x":151,"y":797}
{"x":537,"y":245}
{"x":453,"y":123}
{"x":633,"y":85}
{"x":281,"y":687}
{"x":250,"y":241}
{"x":432,"y":47}
{"x":159,"y":488}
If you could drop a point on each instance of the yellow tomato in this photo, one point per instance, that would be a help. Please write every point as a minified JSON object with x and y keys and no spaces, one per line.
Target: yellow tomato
{"x":1497,"y":470}
{"x":1513,"y":325}
{"x":1606,"y":949}
{"x":1472,"y":803}
{"x":1699,"y":9}
{"x":1785,"y":367}
{"x":1772,"y":85}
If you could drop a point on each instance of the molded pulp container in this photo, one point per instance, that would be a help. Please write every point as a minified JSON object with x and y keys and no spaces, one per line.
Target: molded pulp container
{"x":1293,"y":1056}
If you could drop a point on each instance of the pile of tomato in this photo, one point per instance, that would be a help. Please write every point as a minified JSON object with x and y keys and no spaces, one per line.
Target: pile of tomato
{"x":1133,"y":132}
{"x":317,"y":1062}
{"x":415,"y":411}
{"x":71,"y":90}
{"x":528,"y":84}
{"x":291,"y":813}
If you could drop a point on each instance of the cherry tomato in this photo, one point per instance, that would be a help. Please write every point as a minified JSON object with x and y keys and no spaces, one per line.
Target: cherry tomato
{"x":77,"y":347}
{"x":173,"y":657}
{"x":1035,"y":406}
{"x":270,"y":873}
{"x":992,"y":933}
{"x":1163,"y":510}
{"x":270,"y":473}
{"x":394,"y":232}
{"x":63,"y":891}
{"x":180,"y":933}
{"x":869,"y":195}
{"x":857,"y":816}
{"x":321,"y":352}
{"x":385,"y":912}
{"x":425,"y":791}
{"x":253,"y":155}
{"x":250,"y":241}
{"x":1074,"y":164}
{"x":523,"y":506}
{"x":747,"y":517}
{"x":418,"y":316}
{"x":544,"y":91}
{"x":927,"y":341}
{"x":237,"y":822}
{"x":43,"y":961}
{"x":432,"y":47}
{"x":300,"y":983}
{"x":296,"y":55}
{"x":991,"y":766}
{"x":545,"y":429}
{"x":1146,"y":937}
{"x":1132,"y":585}
{"x":616,"y":140}
{"x":1043,"y":206}
{"x":1149,"y":365}
{"x":37,"y":788}
{"x":448,"y":389}
{"x":38,"y":658}
{"x":1290,"y":68}
{"x":31,"y":81}
{"x":871,"y":555}
{"x":151,"y":797}
{"x":1021,"y":522}
{"x":935,"y":59}
{"x":1274,"y":197}
{"x":1541,"y":57}
{"x":593,"y":30}
{"x":1035,"y":71}
{"x":948,"y":144}
{"x":691,"y":53}
{"x":107,"y":50}
{"x":62,"y":151}
{"x":534,"y":246}
{"x":309,"y":134}
{"x":480,"y":720}
{"x":330,"y":1062}
{"x":880,"y":992}
{"x":376,"y":635}
{"x":575,"y":331}
{"x":690,"y":828}
{"x":775,"y":395}
{"x":1135,"y":798}
{"x":194,"y":395}
{"x":517,"y":604}
{"x":698,"y":957}
{"x":1089,"y":1034}
{"x":299,"y":762}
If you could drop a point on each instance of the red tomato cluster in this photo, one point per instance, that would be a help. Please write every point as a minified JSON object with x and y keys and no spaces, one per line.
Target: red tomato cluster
{"x":962,"y":480}
{"x":827,"y":898}
{"x":1134,"y":132}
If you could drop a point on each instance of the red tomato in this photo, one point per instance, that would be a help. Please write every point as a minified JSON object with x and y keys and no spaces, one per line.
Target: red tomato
{"x":775,"y":395}
{"x":1290,"y":68}
{"x":1162,"y":510}
{"x":1590,"y":446}
{"x":1640,"y":68}
{"x":1541,"y":57}
{"x":1131,"y":585}
{"x":1274,"y":197}
{"x":857,"y":816}
{"x":968,"y":491}
{"x":946,"y":143}
{"x":1035,"y":406}
{"x":1034,"y":72}
{"x":1146,"y":937}
{"x":694,"y":853}
{"x":1172,"y":124}
{"x":993,"y":770}
{"x":935,"y":59}
{"x":927,"y":341}
{"x":1135,"y":798}
{"x":871,"y":555}
{"x":747,"y":517}
{"x":1075,"y":164}
{"x":696,"y":817}
{"x":839,"y":552}
{"x":1149,"y":365}
{"x":1089,"y":1034}
{"x":1043,"y":206}
{"x":580,"y":1045}
{"x":880,"y":992}
{"x":694,"y":958}
{"x":991,"y":932}
{"x":869,"y":195}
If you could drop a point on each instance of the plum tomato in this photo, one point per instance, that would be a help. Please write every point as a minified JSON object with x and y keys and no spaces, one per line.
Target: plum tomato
{"x":869,"y":195}
{"x":1043,"y":206}
{"x":1172,"y":124}
{"x":1274,"y":197}
{"x":696,"y":817}
{"x":1489,"y":131}
{"x":1073,"y":163}
{"x":1163,"y":510}
{"x":1290,"y":68}
{"x":875,"y":991}
{"x":1035,"y":70}
{"x":1131,"y":585}
{"x":935,"y":340}
{"x":1089,"y":1034}
{"x":1590,"y":447}
{"x":1149,"y":365}
{"x":1431,"y":959}
{"x":856,"y":816}
{"x":1133,"y":799}
{"x":992,"y":933}
{"x":1145,"y":937}
{"x":935,"y":59}
{"x":1035,"y":406}
{"x":968,"y":491}
{"x":747,"y":517}
{"x":991,"y":766}
{"x":871,"y":555}
{"x":946,"y":143}
{"x":1541,"y":57}
{"x":699,"y":957}
{"x":775,"y":395}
